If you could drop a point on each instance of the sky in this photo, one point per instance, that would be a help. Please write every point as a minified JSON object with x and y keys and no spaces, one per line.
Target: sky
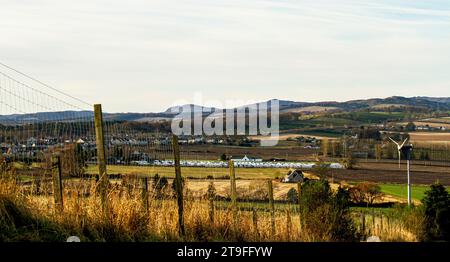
{"x":146,"y":55}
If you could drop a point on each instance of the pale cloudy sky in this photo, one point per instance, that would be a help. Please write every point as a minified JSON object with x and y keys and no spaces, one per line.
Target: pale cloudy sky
{"x":142,"y":55}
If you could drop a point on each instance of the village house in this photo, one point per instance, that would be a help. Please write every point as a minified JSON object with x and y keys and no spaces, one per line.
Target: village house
{"x":246,"y":158}
{"x":294,"y":176}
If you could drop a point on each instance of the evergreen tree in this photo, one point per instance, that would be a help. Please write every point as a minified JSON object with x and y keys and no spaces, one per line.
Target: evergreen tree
{"x":437,"y":211}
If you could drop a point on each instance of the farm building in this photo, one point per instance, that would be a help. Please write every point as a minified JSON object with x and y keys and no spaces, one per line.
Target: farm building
{"x":246,"y":158}
{"x":294,"y":176}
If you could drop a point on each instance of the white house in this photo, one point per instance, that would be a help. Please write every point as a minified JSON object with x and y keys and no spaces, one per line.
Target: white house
{"x":246,"y":158}
{"x":294,"y":176}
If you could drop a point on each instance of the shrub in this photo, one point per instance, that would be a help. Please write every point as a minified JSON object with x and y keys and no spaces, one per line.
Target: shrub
{"x":437,"y":212}
{"x":159,"y":185}
{"x":365,"y":192}
{"x":292,"y":196}
{"x":223,"y":157}
{"x":326,"y":216}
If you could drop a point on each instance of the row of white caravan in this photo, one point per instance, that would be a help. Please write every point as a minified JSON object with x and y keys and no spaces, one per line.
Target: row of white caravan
{"x":249,"y":164}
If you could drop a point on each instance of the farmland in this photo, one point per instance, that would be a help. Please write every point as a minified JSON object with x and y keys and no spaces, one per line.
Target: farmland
{"x":387,"y":172}
{"x":430,"y":137}
{"x":138,"y":199}
{"x":417,"y":192}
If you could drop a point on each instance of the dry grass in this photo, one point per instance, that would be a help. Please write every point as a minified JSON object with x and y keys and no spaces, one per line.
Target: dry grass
{"x":387,"y":228}
{"x":128,"y":220}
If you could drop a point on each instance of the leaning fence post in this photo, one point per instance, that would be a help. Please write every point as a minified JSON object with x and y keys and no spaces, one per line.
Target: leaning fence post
{"x":179,"y":183}
{"x":272,"y":208}
{"x":57,"y":182}
{"x":233,"y":191}
{"x":101,"y":158}
{"x":144,"y":193}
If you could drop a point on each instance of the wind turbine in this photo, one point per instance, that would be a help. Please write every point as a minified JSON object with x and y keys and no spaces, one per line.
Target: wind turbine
{"x":399,"y":148}
{"x":407,"y":151}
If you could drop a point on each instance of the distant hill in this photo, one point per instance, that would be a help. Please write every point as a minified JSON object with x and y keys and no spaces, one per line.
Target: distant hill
{"x":286,"y":106}
{"x":46,"y":117}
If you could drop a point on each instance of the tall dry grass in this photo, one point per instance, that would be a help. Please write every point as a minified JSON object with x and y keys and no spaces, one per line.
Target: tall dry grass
{"x":128,"y":220}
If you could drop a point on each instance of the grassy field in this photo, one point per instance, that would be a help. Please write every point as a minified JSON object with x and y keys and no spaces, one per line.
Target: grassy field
{"x":399,"y":190}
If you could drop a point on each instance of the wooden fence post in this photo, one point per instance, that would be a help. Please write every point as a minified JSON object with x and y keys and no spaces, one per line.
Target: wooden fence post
{"x":233,"y":191}
{"x":363,"y":223}
{"x":36,"y":186}
{"x":255,"y":223}
{"x":144,"y":193}
{"x":179,"y":183}
{"x":288,"y":224}
{"x":211,"y":196}
{"x":211,"y":210}
{"x":272,"y":208}
{"x":101,"y":158}
{"x":57,"y":182}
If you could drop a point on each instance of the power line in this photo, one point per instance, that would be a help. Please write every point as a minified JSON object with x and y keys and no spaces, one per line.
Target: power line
{"x":44,"y":84}
{"x":38,"y":91}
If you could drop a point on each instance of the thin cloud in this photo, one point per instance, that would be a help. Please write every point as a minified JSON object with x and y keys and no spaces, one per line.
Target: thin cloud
{"x":142,"y":55}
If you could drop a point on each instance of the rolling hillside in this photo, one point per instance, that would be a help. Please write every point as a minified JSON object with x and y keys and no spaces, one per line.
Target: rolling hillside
{"x":349,"y":110}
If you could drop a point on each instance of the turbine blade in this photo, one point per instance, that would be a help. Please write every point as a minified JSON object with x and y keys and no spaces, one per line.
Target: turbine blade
{"x":404,"y":142}
{"x":394,"y":141}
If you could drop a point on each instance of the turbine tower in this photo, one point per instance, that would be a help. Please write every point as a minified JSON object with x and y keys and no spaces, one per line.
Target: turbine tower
{"x":407,"y":151}
{"x":399,"y":148}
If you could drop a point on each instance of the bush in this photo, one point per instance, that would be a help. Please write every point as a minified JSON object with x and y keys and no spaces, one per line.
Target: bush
{"x":326,"y":216}
{"x":437,"y":212}
{"x":159,"y":185}
{"x":223,"y":157}
{"x":292,"y":196}
{"x":365,"y":192}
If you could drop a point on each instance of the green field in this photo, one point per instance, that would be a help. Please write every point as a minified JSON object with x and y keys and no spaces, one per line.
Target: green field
{"x":400,"y":190}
